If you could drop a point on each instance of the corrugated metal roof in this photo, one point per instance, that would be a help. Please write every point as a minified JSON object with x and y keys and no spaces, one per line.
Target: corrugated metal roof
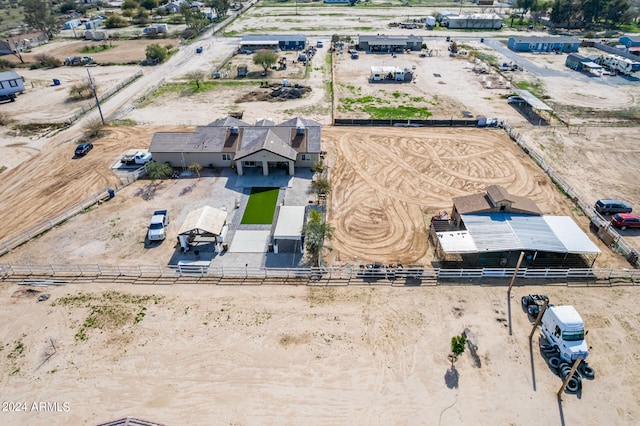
{"x":552,"y":40}
{"x":387,"y":39}
{"x":290,"y":221}
{"x":207,"y":219}
{"x":532,"y":100}
{"x":495,"y":232}
{"x":571,"y":235}
{"x":274,"y":37}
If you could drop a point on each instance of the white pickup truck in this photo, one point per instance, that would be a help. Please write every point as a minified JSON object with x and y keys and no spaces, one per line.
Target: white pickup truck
{"x":136,"y":157}
{"x":157,"y":230}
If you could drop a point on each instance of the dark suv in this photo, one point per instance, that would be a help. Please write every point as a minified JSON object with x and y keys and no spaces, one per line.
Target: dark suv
{"x":83,"y":148}
{"x":612,"y":206}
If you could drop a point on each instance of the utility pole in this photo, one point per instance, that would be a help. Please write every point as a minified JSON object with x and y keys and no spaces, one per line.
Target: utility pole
{"x":93,"y":87}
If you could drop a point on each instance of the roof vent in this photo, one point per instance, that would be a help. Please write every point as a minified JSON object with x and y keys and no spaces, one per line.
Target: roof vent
{"x":234,"y":130}
{"x":300,"y":130}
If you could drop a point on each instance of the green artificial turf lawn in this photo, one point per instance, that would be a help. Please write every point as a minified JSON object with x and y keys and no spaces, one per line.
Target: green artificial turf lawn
{"x":261,"y":206}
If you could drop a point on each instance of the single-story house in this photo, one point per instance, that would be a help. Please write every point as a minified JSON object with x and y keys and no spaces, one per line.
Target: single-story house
{"x":337,"y":1}
{"x":544,"y":44}
{"x":490,"y":229}
{"x":583,"y":64}
{"x":10,"y":84}
{"x":231,"y":142}
{"x":630,"y":41}
{"x":389,"y":43}
{"x":22,"y":42}
{"x":474,"y":21}
{"x":274,"y":41}
{"x":390,"y":73}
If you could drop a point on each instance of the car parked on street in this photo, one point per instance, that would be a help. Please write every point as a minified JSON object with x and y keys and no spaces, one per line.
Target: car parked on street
{"x":83,"y":149}
{"x":625,"y":220}
{"x":607,"y":206}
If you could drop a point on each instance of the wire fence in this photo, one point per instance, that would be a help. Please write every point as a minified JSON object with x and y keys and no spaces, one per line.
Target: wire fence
{"x":599,"y":224}
{"x":414,"y":276}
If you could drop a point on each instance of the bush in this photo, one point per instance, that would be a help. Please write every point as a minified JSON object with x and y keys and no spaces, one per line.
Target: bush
{"x":80,"y":91}
{"x":156,"y":53}
{"x":46,"y":61}
{"x":115,"y":21}
{"x":4,"y":64}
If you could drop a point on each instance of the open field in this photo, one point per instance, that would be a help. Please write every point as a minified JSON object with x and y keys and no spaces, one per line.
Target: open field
{"x":230,"y":355}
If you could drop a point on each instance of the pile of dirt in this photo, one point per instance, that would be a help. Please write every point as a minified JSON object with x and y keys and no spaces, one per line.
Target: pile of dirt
{"x":275,"y":93}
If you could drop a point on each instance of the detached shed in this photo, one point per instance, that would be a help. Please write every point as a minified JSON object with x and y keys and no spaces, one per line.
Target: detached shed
{"x":287,"y":237}
{"x":205,"y":225}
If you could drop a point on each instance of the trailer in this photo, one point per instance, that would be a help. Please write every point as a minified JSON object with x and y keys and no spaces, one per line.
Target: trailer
{"x":622,"y":65}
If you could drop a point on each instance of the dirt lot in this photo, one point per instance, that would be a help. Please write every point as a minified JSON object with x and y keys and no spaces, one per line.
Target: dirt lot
{"x":64,"y":179}
{"x":390,"y":179}
{"x":229,"y":355}
{"x":120,"y":51}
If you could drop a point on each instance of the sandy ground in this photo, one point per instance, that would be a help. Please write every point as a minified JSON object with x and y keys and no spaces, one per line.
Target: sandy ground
{"x":290,"y":355}
{"x":42,"y":102}
{"x":392,"y":178}
{"x":204,"y":108}
{"x":64,"y":178}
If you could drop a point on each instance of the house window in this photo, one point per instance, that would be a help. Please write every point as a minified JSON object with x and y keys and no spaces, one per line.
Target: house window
{"x":305,"y":157}
{"x":250,"y":163}
{"x":13,"y":83}
{"x":226,"y":157}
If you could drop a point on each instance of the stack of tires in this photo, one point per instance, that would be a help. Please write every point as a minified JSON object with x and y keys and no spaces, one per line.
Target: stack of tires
{"x":562,"y":368}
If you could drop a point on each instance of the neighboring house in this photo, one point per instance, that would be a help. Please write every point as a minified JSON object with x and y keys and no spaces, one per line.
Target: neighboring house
{"x":475,"y":21}
{"x":388,"y":43}
{"x":544,"y":44}
{"x":230,"y":142}
{"x":173,"y":7}
{"x":337,"y":1}
{"x":10,"y":84}
{"x":22,"y":42}
{"x":583,"y":64}
{"x":273,"y":42}
{"x":491,"y":229}
{"x":630,"y":41}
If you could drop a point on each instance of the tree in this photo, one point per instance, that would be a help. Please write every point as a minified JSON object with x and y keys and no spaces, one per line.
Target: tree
{"x":457,"y":347}
{"x":156,"y":53}
{"x":149,"y":4}
{"x":129,"y":4}
{"x":195,"y":167}
{"x":197,"y":77}
{"x":265,"y":58}
{"x":37,"y":14}
{"x":157,"y":170}
{"x":319,"y":167}
{"x":93,"y":127}
{"x":195,"y":19}
{"x":315,"y":232}
{"x":221,"y":7}
{"x":115,"y":21}
{"x":141,"y":16}
{"x":321,"y":187}
{"x":525,"y":6}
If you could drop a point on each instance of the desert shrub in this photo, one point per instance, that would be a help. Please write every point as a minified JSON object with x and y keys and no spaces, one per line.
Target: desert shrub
{"x":92,"y":128}
{"x":4,"y":64}
{"x":156,"y":53}
{"x":115,"y":21}
{"x":80,"y":91}
{"x":46,"y":61}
